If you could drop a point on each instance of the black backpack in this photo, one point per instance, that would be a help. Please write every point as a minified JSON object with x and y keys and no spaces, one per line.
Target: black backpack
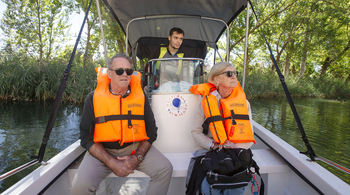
{"x":224,"y":169}
{"x":228,"y":168}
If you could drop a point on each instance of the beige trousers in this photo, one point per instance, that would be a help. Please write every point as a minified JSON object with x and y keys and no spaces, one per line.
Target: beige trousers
{"x":92,"y":171}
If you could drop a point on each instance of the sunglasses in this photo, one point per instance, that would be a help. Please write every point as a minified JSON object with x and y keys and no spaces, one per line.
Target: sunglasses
{"x":120,"y":71}
{"x":230,"y":73}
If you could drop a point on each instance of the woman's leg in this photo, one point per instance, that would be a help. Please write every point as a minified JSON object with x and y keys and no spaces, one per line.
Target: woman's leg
{"x":205,"y":188}
{"x":237,"y":191}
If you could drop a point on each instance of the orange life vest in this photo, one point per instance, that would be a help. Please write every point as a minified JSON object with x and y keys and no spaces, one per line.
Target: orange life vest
{"x":232,"y":122}
{"x":116,"y":118}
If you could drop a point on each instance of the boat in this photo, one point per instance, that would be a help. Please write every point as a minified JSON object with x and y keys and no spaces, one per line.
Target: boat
{"x":283,"y":169}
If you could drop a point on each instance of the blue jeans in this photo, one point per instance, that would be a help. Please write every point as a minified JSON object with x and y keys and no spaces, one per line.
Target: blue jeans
{"x":206,"y":190}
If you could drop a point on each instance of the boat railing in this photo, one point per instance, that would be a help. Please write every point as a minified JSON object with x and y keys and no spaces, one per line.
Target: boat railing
{"x":18,"y":169}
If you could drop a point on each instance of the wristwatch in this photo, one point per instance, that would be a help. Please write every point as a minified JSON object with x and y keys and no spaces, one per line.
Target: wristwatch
{"x":140,"y":157}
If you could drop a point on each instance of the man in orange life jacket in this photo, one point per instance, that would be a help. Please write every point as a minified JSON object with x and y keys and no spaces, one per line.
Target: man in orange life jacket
{"x":117,"y":129}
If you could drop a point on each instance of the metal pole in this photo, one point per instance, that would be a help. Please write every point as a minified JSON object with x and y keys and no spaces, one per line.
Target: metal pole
{"x":246,"y":45}
{"x":103,"y":36}
{"x":228,"y":45}
{"x":18,"y":169}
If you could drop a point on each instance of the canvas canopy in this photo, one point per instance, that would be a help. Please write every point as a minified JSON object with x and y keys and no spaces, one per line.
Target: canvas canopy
{"x":148,"y":22}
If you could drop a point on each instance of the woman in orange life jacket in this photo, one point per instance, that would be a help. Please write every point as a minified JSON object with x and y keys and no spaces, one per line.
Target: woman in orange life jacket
{"x":223,"y":79}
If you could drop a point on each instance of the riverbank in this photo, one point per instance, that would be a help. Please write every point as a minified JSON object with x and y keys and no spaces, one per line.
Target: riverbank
{"x":22,"y":79}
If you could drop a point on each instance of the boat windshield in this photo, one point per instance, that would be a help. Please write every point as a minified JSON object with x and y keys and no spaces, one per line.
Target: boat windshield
{"x":174,"y":74}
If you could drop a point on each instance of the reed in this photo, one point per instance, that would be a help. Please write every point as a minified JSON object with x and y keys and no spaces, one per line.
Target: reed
{"x":24,"y":79}
{"x":260,"y":84}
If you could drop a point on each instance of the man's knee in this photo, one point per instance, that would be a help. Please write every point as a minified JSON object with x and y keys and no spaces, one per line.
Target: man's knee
{"x":164,"y":168}
{"x":83,"y":185}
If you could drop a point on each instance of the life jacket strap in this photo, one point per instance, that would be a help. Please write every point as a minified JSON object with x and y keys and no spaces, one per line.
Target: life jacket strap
{"x":233,"y":116}
{"x":238,"y":116}
{"x":211,"y":119}
{"x":129,"y":117}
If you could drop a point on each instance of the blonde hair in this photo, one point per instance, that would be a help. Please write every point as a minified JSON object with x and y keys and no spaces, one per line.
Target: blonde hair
{"x":217,"y":69}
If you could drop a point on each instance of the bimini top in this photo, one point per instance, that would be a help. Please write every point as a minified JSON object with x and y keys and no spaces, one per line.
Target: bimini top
{"x":148,"y":22}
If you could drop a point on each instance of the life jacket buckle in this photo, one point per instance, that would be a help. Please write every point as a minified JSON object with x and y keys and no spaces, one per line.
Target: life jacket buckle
{"x":233,"y":120}
{"x":101,"y":119}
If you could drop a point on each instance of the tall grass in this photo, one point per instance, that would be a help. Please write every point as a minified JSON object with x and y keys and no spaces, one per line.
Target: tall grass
{"x":263,"y":83}
{"x":24,"y":79}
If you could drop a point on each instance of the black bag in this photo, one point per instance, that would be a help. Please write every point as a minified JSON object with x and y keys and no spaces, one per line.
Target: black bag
{"x":228,"y":168}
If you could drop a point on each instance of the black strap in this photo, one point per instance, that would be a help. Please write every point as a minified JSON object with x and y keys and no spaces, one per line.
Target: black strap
{"x":309,"y":151}
{"x":238,"y":116}
{"x":215,"y":159}
{"x":196,"y":178}
{"x":234,"y":157}
{"x":209,"y":120}
{"x":233,"y":116}
{"x":129,"y":117}
{"x":59,"y":95}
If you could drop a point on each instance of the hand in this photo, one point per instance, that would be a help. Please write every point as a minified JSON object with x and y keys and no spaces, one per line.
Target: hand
{"x":228,"y":144}
{"x":119,"y":167}
{"x":130,"y":161}
{"x":216,"y":146}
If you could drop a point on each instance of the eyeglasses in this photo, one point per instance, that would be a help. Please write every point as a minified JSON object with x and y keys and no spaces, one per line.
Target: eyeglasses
{"x":120,"y":71}
{"x":230,"y":73}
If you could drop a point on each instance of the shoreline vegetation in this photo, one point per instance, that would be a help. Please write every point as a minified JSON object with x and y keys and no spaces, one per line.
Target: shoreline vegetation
{"x":23,"y":79}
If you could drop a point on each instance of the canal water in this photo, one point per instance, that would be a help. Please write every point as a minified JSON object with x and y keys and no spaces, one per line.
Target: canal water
{"x":22,"y":126}
{"x":326,"y":124}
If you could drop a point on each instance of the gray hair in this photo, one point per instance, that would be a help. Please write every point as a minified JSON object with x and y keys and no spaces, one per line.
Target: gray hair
{"x":121,"y":55}
{"x":217,"y":69}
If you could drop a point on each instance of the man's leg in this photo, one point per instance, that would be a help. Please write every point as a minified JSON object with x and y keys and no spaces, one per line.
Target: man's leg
{"x":89,"y":175}
{"x":159,"y":169}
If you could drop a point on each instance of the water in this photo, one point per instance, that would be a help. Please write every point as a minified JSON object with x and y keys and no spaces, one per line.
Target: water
{"x":22,"y":126}
{"x":326,"y":124}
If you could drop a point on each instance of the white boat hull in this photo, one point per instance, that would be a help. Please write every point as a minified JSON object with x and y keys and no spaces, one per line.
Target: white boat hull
{"x":278,"y":177}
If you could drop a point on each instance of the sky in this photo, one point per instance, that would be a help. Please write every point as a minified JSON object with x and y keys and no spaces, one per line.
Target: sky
{"x":75,"y":19}
{"x":2,"y":10}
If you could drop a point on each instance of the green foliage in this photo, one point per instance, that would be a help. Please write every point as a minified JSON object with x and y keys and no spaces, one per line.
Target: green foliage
{"x":261,"y":83}
{"x":23,"y":78}
{"x":310,"y":32}
{"x":36,"y":28}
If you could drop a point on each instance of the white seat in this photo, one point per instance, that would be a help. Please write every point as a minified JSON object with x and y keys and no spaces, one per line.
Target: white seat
{"x":263,"y":157}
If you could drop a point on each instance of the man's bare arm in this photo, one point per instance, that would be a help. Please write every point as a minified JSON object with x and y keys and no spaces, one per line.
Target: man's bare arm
{"x":131,"y":161}
{"x":117,"y":166}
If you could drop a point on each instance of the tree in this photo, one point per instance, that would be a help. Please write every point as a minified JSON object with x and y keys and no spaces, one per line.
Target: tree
{"x":312,"y":37}
{"x":114,"y":36}
{"x":91,"y":22}
{"x":36,"y":27}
